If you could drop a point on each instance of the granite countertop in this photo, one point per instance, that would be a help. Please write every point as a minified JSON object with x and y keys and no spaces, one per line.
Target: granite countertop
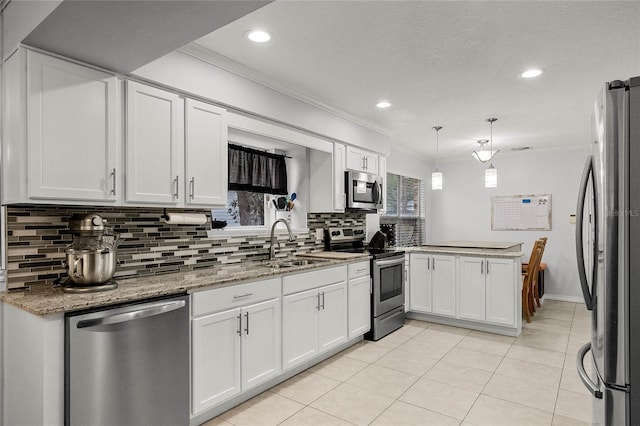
{"x":48,"y":300}
{"x":490,"y":245}
{"x":487,"y":252}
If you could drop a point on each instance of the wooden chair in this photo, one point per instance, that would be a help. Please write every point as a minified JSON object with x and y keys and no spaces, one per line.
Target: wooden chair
{"x":538,"y":279}
{"x":529,"y":278}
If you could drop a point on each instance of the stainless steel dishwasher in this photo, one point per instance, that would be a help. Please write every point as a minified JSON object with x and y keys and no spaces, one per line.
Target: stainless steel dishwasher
{"x":128,"y":365}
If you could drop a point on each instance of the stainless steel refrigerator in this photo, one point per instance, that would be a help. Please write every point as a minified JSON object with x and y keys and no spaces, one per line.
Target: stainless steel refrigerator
{"x":608,"y":251}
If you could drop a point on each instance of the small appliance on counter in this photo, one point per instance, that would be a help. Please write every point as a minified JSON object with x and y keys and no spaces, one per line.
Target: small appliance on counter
{"x":91,"y":259}
{"x":387,"y":276}
{"x":389,"y":230}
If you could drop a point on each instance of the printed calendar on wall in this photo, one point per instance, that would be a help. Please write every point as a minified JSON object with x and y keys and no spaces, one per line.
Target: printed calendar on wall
{"x":521,"y":213}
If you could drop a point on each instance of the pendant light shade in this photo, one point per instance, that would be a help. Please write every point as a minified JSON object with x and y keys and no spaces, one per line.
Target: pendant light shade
{"x":483,"y":154}
{"x":491,"y":177}
{"x":436,"y":176}
{"x":436,"y":181}
{"x":491,"y":174}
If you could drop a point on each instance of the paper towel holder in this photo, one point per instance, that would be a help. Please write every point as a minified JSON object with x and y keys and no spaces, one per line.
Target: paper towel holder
{"x":183,"y":218}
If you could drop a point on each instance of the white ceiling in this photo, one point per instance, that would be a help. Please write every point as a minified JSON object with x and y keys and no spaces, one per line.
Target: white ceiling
{"x":124,"y":35}
{"x":449,"y":63}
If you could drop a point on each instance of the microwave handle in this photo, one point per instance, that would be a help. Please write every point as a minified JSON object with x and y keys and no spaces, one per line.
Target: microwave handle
{"x":377,"y":193}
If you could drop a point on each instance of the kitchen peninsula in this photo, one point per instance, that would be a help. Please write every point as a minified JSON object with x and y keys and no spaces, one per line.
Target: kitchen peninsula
{"x":472,"y":284}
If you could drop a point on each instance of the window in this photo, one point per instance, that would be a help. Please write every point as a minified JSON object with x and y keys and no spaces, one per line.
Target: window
{"x":244,"y":208}
{"x":405,"y":209}
{"x":258,"y":175}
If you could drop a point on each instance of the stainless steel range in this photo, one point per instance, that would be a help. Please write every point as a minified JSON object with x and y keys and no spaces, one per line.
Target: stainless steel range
{"x":387,"y":275}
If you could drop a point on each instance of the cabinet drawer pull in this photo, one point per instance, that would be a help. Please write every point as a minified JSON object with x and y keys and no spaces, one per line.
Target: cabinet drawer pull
{"x":240,"y":296}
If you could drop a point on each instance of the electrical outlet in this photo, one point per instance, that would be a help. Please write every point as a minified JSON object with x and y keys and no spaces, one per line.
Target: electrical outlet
{"x":319,"y":234}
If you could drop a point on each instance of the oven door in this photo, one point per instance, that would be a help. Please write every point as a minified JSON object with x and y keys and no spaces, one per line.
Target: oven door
{"x":388,"y":284}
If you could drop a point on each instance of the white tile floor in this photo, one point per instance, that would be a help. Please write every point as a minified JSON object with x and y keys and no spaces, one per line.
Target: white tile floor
{"x":429,"y":374}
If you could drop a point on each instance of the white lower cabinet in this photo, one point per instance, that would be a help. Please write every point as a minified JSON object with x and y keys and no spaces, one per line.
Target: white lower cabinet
{"x":235,"y":349}
{"x":314,"y":320}
{"x":472,"y":288}
{"x":359,"y":299}
{"x":488,"y":290}
{"x":432,"y":284}
{"x":469,"y":288}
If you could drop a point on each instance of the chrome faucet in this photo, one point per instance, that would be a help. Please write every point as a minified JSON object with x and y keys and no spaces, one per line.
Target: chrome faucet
{"x":272,"y":249}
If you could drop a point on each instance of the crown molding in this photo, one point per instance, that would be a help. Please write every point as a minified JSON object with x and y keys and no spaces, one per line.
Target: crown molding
{"x":220,"y":61}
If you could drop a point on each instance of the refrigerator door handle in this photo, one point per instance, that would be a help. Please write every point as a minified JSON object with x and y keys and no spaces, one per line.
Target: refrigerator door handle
{"x":593,"y":387}
{"x":582,"y":274}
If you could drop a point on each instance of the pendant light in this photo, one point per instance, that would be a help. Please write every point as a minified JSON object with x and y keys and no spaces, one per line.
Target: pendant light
{"x":491,"y":174}
{"x":436,"y":176}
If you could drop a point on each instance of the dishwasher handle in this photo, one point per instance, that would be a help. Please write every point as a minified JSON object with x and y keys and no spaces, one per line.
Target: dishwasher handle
{"x":147,"y":311}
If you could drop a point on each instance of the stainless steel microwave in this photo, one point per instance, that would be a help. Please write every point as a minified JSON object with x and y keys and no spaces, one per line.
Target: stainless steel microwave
{"x":363,"y":191}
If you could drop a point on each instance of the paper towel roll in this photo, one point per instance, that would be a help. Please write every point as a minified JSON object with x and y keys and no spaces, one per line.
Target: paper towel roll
{"x":185,"y":218}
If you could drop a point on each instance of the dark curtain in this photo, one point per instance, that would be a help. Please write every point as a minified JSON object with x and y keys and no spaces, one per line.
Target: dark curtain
{"x":257,"y":171}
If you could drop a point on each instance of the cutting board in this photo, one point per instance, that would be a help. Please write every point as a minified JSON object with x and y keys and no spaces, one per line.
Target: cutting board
{"x":331,"y":255}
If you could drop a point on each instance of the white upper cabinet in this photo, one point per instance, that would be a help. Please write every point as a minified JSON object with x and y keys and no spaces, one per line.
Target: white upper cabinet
{"x":361,"y":160}
{"x":66,"y":147}
{"x":326,"y":179}
{"x":339,"y":194}
{"x":206,"y":173}
{"x":154,"y":146}
{"x":382,"y":172}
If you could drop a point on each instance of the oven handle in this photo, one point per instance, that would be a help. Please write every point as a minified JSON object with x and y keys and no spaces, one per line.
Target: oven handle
{"x":389,"y":262}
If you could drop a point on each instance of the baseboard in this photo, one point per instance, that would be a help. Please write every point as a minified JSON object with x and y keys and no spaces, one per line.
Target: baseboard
{"x":563,"y":298}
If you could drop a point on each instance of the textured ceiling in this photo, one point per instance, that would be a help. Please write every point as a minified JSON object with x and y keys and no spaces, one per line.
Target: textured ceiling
{"x":451,"y":63}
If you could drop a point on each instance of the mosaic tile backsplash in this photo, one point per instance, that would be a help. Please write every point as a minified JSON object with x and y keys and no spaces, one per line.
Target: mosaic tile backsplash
{"x":37,"y":236}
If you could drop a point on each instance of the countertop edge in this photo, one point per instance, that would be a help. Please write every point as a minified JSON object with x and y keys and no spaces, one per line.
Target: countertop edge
{"x":476,"y":252}
{"x":46,"y":300}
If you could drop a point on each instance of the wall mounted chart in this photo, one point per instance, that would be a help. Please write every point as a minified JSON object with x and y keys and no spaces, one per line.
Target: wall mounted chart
{"x":521,"y":213}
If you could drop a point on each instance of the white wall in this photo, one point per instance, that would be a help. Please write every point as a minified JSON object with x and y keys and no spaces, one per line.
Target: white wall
{"x":462,"y":210}
{"x":189,"y":74}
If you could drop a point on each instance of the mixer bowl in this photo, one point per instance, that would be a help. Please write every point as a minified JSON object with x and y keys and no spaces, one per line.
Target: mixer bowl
{"x":88,"y":267}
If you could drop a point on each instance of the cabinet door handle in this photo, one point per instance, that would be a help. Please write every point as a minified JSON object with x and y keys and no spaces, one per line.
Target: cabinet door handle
{"x":192,"y":187}
{"x":318,"y":305}
{"x":487,"y":267}
{"x":433,"y":263}
{"x":482,"y":267}
{"x":323,"y":300}
{"x":175,"y":183}
{"x":242,"y":295}
{"x":239,"y":324}
{"x":113,"y":181}
{"x":246,"y":315}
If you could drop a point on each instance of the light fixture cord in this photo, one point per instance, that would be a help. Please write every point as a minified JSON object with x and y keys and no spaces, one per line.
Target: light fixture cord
{"x":437,"y":129}
{"x":491,"y":120}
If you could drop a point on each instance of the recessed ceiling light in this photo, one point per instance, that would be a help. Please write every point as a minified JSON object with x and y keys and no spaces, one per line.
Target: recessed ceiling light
{"x":259,"y":36}
{"x":383,"y":104}
{"x":532,"y":73}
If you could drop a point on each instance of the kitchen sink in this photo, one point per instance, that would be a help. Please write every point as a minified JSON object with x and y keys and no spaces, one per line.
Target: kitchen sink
{"x":290,"y":263}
